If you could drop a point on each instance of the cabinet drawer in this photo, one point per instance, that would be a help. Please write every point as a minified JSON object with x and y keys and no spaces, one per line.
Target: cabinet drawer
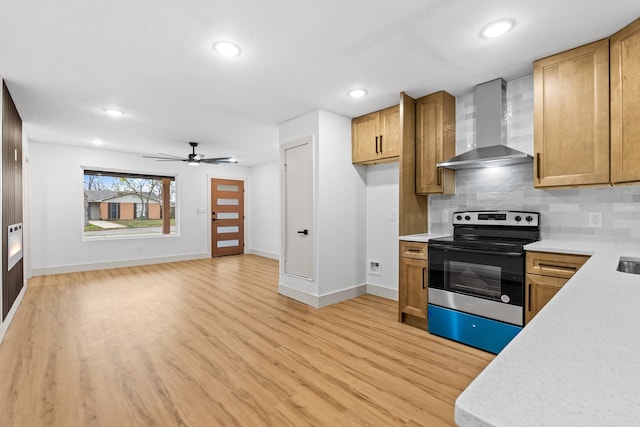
{"x":416,"y":250}
{"x":554,"y":264}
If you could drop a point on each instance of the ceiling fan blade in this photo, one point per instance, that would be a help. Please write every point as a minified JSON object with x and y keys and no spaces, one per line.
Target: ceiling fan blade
{"x":216,"y":160}
{"x":160,"y":158}
{"x":171,"y":155}
{"x":163,"y":158}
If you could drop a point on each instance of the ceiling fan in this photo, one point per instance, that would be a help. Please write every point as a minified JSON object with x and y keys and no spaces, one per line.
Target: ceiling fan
{"x":193,"y":158}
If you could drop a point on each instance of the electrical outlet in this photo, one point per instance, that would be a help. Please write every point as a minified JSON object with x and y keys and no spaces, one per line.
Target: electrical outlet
{"x":595,"y":219}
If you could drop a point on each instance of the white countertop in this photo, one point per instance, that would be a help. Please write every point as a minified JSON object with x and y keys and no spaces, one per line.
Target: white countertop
{"x":577,"y":363}
{"x":423,"y":237}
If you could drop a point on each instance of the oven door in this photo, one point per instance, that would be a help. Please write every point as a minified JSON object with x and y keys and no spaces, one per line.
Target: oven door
{"x":485,"y":283}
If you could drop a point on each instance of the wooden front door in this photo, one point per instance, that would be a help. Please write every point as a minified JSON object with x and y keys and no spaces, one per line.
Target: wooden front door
{"x":227,"y":217}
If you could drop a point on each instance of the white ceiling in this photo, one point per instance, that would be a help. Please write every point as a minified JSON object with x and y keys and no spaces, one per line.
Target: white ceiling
{"x":65,"y":61}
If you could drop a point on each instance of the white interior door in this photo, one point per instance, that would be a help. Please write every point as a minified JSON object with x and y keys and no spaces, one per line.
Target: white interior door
{"x":298,"y":209}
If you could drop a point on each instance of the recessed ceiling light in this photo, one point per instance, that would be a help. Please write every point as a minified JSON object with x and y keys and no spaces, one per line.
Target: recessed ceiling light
{"x":357,"y":93}
{"x":226,"y":48}
{"x":97,"y":141}
{"x":113,"y":112}
{"x":497,"y":28}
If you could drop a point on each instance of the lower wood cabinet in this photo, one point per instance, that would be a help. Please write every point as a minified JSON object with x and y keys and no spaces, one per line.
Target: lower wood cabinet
{"x":546,"y":274}
{"x":413,"y":282}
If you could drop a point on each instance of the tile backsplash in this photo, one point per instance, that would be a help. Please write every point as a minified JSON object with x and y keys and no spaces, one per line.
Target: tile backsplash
{"x":564,"y":212}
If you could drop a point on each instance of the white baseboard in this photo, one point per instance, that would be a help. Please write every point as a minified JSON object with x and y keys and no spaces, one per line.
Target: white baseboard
{"x":14,"y":308}
{"x":319,"y":301}
{"x":298,"y":295}
{"x":265,"y":254}
{"x":381,"y":291}
{"x":342,"y":295}
{"x":45,"y":271}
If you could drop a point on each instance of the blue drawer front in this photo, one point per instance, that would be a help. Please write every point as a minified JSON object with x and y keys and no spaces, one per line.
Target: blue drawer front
{"x":486,"y":334}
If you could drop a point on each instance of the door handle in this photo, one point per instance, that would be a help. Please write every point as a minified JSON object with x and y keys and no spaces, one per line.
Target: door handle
{"x":305,"y":232}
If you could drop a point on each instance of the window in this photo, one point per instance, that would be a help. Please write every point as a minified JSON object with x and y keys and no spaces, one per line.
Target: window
{"x":126,"y":204}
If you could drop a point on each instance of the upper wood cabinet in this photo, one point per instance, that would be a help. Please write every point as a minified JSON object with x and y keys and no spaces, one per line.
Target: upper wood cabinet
{"x":625,"y":104}
{"x":375,"y":137}
{"x":435,"y":142}
{"x":571,"y":117}
{"x":412,"y":207}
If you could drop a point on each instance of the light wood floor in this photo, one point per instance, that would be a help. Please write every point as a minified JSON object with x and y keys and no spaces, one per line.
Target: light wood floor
{"x":211,"y":343}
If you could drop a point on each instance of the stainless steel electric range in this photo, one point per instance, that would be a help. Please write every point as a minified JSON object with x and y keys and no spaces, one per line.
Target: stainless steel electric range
{"x":476,"y":277}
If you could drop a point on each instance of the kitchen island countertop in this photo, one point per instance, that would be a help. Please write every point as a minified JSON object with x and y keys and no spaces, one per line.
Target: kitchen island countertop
{"x":577,"y":362}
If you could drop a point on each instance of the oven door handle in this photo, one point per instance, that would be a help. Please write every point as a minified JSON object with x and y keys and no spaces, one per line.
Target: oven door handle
{"x":474,"y":251}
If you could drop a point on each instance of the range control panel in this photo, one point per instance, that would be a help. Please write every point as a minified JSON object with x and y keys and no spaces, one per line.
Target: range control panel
{"x":506,"y":218}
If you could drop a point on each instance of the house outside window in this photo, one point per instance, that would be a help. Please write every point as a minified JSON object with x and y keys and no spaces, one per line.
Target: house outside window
{"x":126,"y":204}
{"x":114,"y":210}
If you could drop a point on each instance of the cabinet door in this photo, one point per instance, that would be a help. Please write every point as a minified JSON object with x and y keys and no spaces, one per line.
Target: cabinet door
{"x":435,"y":142}
{"x":625,"y":104}
{"x":571,"y":117}
{"x":389,"y":143}
{"x":413,"y":287}
{"x":364,"y":131}
{"x":539,"y":291}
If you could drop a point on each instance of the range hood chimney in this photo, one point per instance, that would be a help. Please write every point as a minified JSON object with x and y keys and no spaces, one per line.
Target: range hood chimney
{"x":491,"y":132}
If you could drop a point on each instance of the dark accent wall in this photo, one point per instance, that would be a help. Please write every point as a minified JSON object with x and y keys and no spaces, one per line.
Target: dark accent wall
{"x":12,"y":281}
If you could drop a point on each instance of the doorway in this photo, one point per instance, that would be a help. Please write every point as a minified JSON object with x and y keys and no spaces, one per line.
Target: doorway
{"x":298,"y":208}
{"x":227,"y":217}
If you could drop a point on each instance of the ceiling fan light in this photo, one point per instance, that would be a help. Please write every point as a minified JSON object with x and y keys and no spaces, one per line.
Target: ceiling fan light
{"x":193,"y":163}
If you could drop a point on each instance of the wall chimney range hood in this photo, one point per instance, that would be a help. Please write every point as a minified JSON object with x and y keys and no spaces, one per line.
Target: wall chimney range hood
{"x":491,"y":132}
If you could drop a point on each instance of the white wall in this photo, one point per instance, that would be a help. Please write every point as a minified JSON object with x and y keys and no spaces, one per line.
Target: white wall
{"x":264,"y":200}
{"x":56,"y":189}
{"x":342,"y":231}
{"x":26,"y":206}
{"x":382,"y":228}
{"x":339,"y":212}
{"x":295,"y":129}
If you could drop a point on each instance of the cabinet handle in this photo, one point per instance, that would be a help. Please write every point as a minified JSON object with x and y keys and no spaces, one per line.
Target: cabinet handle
{"x":413,"y":250}
{"x":530,"y":298}
{"x":376,"y":144}
{"x":558,"y":267}
{"x":423,"y":270}
{"x":538,"y":166}
{"x":381,"y":143}
{"x":438,"y":175}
